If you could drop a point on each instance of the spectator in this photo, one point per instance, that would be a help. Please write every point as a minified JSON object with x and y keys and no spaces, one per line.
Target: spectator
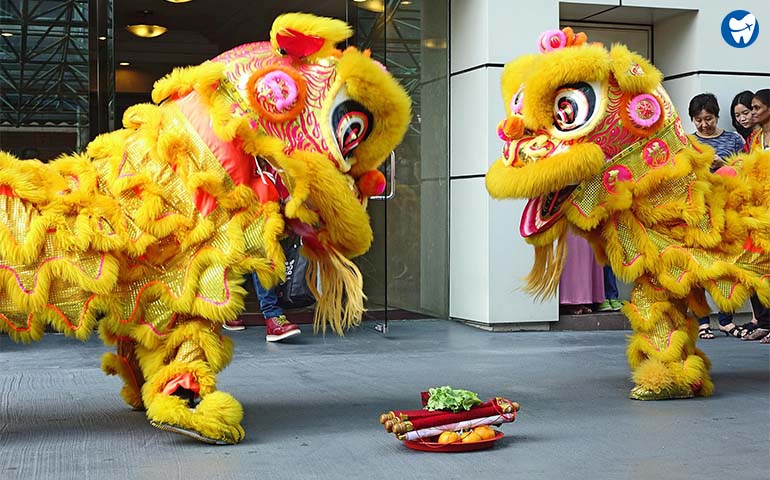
{"x":611,"y":302}
{"x":704,"y":114}
{"x":743,"y":120}
{"x":582,"y":279}
{"x":760,"y":111}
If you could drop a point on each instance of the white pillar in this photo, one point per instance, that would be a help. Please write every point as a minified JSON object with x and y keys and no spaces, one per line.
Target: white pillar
{"x":488,"y":258}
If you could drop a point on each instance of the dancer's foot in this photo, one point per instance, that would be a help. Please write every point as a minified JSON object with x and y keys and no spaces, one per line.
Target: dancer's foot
{"x":215,"y":419}
{"x":235,"y":325}
{"x":278,"y":328}
{"x":657,"y":380}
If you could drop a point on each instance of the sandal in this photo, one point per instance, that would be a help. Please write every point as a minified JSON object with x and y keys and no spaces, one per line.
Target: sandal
{"x":756,"y":334}
{"x":766,"y":339}
{"x":747,"y":328}
{"x":705,"y":333}
{"x":577,"y":310}
{"x":735,"y":331}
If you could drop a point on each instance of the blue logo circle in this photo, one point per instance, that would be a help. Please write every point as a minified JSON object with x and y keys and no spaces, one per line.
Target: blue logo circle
{"x":740,"y":28}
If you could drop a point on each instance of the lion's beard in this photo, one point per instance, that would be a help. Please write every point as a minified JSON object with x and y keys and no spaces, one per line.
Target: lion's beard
{"x":543,"y":279}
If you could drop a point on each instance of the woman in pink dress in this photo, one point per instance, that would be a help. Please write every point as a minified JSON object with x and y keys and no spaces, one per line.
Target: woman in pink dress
{"x":582,"y":279}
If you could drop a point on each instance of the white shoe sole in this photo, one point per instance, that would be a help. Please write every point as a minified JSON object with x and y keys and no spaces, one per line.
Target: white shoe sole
{"x":278,"y":338}
{"x":233,"y":329}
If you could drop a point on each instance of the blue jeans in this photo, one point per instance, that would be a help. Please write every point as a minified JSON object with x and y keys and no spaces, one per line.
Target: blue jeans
{"x":268,"y":301}
{"x":724,"y":319}
{"x":610,"y":284}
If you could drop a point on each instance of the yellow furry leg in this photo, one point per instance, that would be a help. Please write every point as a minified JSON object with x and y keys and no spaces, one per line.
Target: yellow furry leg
{"x":665,"y":363}
{"x":126,"y":365}
{"x":216,"y":417}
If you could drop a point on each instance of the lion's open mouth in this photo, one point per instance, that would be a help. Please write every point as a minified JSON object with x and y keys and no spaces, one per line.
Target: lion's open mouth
{"x":541,"y":212}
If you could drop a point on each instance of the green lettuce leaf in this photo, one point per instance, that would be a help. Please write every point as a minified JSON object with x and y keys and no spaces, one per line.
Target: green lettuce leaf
{"x":448,"y":398}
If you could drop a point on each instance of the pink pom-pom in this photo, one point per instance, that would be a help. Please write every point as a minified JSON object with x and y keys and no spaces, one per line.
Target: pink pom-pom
{"x":551,"y":40}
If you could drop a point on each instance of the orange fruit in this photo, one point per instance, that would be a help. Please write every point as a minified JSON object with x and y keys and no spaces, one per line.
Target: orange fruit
{"x":485,"y":432}
{"x":448,"y":437}
{"x":471,"y":437}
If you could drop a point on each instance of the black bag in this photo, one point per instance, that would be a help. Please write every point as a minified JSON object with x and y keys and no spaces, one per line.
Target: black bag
{"x":294,"y":292}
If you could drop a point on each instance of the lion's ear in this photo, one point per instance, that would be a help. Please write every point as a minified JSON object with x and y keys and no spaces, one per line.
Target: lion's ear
{"x":632,"y":71}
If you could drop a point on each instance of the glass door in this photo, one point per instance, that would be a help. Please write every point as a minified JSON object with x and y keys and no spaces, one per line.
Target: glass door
{"x":406,"y":272}
{"x":56,"y":75}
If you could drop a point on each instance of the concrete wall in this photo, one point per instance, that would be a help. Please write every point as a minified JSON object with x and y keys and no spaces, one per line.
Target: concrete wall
{"x":690,"y":48}
{"x":488,"y":259}
{"x":487,"y":256}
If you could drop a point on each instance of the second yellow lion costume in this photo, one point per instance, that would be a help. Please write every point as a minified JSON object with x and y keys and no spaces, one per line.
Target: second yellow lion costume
{"x":593,"y":140}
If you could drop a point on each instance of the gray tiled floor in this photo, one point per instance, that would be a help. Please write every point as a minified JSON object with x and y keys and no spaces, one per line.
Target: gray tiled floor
{"x":312,"y":406}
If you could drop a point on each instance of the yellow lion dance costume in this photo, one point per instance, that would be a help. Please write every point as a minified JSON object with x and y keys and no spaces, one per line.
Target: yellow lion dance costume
{"x":593,"y":140}
{"x":149,"y":233}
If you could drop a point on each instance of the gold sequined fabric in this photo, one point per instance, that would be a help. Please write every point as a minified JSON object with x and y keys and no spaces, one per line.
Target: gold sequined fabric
{"x":146,"y":253}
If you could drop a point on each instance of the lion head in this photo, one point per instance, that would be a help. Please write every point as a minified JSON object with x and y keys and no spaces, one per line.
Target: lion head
{"x":318,"y":121}
{"x":581,"y":120}
{"x":300,"y":121}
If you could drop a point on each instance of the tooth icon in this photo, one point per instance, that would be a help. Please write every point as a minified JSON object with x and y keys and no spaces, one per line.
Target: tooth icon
{"x":742,"y":29}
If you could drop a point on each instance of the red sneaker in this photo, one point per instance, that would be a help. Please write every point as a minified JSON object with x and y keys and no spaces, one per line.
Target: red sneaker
{"x":278,"y":328}
{"x":235,"y":325}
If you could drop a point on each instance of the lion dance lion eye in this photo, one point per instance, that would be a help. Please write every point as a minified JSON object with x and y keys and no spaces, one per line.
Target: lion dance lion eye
{"x":573,"y":106}
{"x":351,"y":124}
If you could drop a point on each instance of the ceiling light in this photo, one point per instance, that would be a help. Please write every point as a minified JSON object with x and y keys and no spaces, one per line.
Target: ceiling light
{"x":6,"y":34}
{"x":178,"y":1}
{"x":146,"y":31}
{"x":102,"y":38}
{"x":124,"y":64}
{"x":144,"y":27}
{"x":406,"y":2}
{"x":372,"y":5}
{"x":434,"y":42}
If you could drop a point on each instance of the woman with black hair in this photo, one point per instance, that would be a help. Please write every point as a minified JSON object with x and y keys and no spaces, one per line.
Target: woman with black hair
{"x":704,"y":114}
{"x":760,"y":111}
{"x":743,"y":120}
{"x":759,"y":139}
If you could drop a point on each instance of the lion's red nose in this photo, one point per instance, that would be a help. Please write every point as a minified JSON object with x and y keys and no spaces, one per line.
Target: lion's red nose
{"x":297,"y":44}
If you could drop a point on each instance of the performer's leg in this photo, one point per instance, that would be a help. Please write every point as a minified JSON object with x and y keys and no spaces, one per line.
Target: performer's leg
{"x":125,"y":364}
{"x":661,"y":352}
{"x":180,"y":392}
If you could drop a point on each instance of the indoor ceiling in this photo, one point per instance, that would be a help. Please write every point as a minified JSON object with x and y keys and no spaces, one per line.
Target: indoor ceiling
{"x":201,"y":29}
{"x":46,"y":50}
{"x":226,"y":23}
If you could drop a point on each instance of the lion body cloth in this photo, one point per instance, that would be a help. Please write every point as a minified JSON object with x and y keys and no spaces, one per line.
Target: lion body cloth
{"x":592,"y":139}
{"x":150,"y":232}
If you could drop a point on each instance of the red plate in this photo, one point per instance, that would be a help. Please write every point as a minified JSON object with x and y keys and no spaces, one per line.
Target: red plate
{"x":452,"y":447}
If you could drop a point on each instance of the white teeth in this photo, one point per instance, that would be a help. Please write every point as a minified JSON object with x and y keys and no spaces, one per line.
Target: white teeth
{"x":742,"y":30}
